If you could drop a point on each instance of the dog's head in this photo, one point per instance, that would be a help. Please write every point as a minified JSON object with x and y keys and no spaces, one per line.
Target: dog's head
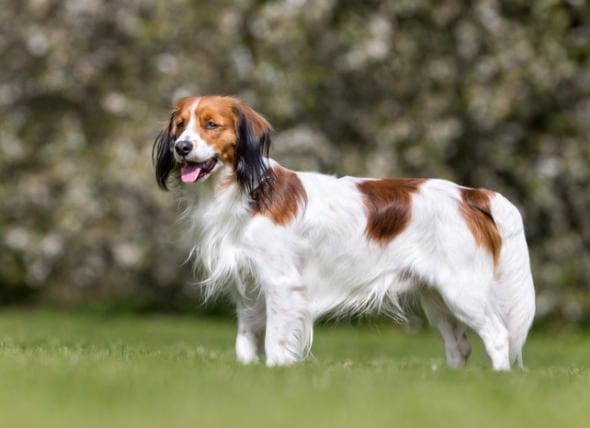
{"x":206,"y":133}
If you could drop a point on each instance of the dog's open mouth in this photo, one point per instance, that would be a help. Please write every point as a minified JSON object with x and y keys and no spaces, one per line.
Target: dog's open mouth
{"x":194,"y":171}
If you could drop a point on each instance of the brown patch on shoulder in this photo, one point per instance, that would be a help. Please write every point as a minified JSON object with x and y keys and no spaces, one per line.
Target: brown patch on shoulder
{"x":388,"y":204}
{"x":281,"y":198}
{"x":475,"y":209}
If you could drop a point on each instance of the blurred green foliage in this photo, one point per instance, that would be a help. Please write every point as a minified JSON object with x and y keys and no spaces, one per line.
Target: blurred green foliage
{"x":483,"y":92}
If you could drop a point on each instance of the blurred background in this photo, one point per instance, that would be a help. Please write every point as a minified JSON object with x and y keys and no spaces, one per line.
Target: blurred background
{"x":483,"y":92}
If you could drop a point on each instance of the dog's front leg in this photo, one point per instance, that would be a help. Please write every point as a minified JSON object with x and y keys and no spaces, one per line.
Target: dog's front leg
{"x":251,"y":322}
{"x":289,"y":326}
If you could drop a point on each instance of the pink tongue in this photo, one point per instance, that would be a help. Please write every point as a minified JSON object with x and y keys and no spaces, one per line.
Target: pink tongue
{"x":190,"y":173}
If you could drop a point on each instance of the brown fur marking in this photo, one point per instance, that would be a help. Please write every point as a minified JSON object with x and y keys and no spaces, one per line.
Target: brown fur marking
{"x":388,"y":204}
{"x":219,"y":110}
{"x":281,"y":200}
{"x":475,"y":209}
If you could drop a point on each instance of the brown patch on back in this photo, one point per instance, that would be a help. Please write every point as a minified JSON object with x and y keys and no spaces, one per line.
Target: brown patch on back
{"x":388,"y":204}
{"x":281,"y":198}
{"x":475,"y":209}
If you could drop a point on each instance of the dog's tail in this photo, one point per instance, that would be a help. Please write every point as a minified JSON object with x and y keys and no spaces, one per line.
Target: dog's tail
{"x":513,"y":292}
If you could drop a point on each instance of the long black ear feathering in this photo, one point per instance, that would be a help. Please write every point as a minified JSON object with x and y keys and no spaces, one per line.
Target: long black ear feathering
{"x":252,"y":171}
{"x":163,"y":156}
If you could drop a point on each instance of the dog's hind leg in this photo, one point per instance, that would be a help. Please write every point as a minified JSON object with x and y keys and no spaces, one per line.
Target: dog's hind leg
{"x":453,"y":332}
{"x":472,"y":305}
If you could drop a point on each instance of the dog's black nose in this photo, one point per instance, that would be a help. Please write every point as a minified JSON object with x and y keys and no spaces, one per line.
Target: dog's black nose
{"x":183,"y":147}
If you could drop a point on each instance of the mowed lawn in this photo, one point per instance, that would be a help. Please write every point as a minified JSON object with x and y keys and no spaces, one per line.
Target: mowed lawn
{"x":90,"y":370}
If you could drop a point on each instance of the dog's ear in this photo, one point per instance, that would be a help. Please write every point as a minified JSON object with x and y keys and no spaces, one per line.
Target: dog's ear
{"x":163,"y":155}
{"x":253,"y":142}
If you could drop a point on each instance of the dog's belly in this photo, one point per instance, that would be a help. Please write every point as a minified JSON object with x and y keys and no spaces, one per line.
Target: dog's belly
{"x":353,"y":279}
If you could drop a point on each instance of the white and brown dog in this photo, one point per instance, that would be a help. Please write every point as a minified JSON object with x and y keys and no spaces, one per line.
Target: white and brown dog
{"x":289,"y":247}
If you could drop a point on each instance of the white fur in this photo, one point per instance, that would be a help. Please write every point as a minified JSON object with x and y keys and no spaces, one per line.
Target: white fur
{"x":283,"y":278}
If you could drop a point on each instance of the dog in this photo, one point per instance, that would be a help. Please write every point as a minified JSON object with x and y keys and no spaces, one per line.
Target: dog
{"x":289,"y":247}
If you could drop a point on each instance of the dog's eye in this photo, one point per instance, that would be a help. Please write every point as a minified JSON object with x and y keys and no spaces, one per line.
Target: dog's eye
{"x":180,"y":125}
{"x":211,"y":125}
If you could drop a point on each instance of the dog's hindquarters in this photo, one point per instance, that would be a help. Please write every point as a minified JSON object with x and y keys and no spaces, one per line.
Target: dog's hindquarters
{"x":492,"y":294}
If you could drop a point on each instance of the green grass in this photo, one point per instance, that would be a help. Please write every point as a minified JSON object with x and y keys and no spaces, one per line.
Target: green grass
{"x":88,"y":370}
